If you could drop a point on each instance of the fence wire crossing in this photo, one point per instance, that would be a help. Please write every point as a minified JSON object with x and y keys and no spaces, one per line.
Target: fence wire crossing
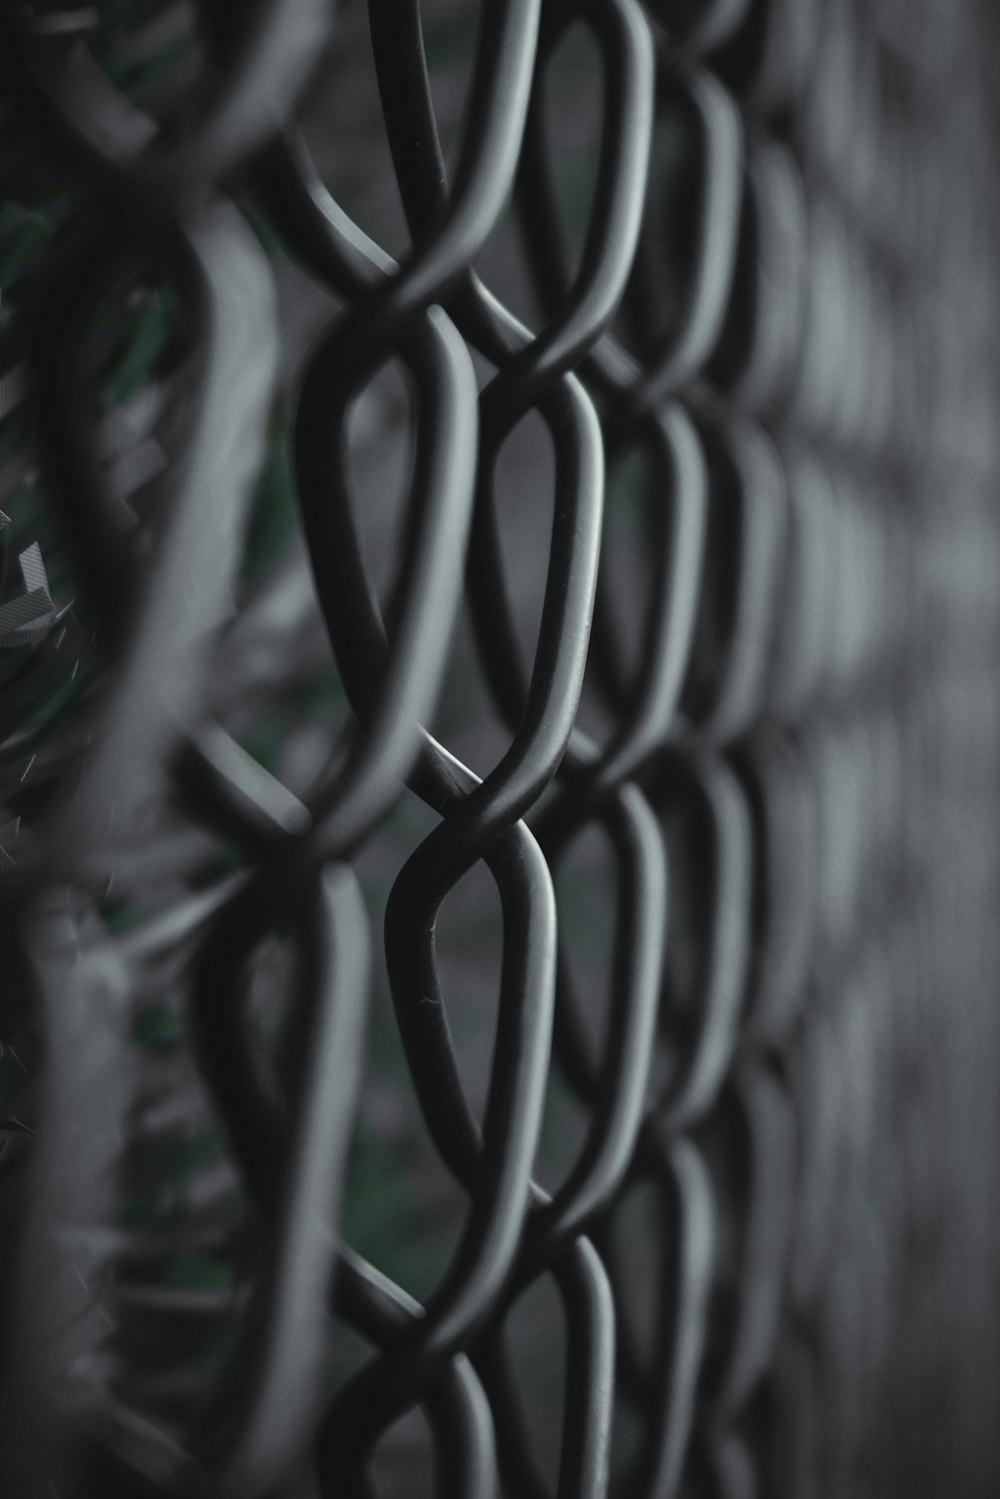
{"x":757,"y":346}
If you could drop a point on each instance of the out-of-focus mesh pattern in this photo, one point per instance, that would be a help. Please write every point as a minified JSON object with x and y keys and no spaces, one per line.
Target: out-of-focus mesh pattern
{"x":584,"y":561}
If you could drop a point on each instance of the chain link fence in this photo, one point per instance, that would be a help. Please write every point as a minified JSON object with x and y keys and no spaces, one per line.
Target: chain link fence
{"x":523,"y":476}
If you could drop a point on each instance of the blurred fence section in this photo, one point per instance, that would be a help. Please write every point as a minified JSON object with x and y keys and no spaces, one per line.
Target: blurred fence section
{"x":523,"y":476}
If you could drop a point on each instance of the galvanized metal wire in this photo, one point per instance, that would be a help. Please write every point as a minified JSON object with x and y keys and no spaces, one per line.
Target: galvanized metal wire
{"x":776,"y":707}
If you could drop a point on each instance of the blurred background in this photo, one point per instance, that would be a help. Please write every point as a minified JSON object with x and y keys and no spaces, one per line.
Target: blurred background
{"x":816,"y":284}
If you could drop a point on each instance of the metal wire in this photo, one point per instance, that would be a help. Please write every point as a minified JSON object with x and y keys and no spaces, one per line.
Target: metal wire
{"x":779,"y":304}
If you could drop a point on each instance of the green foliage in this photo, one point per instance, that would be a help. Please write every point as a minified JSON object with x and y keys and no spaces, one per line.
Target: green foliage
{"x":274,"y":510}
{"x":139,"y":347}
{"x":198,"y":1271}
{"x":163,"y":1026}
{"x":24,"y":233}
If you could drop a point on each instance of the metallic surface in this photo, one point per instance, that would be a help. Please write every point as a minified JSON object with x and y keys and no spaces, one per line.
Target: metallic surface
{"x":780,"y":304}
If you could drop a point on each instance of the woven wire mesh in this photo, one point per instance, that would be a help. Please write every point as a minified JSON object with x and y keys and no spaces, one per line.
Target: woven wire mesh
{"x":590,"y":572}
